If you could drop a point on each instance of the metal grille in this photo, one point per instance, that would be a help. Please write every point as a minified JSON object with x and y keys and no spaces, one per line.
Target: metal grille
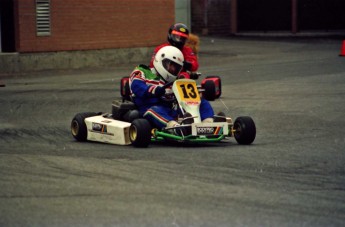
{"x":43,"y":17}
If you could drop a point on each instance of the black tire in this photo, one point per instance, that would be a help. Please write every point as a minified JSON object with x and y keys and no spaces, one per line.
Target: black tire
{"x":78,"y":126}
{"x":210,"y":90}
{"x":220,"y":85}
{"x":140,"y":133}
{"x":245,"y":130}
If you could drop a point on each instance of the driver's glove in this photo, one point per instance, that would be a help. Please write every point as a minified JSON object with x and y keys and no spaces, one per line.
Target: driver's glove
{"x":157,"y":91}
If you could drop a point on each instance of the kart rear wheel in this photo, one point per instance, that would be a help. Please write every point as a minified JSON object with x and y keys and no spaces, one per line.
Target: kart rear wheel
{"x":78,"y":126}
{"x":245,"y":130}
{"x":210,"y":90}
{"x":140,"y":133}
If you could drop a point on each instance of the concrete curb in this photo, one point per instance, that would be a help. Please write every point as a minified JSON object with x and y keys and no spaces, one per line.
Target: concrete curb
{"x":29,"y":62}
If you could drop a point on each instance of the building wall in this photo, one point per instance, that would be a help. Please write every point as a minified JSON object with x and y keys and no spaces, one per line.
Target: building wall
{"x":211,"y":16}
{"x":94,"y":24}
{"x":182,"y":12}
{"x":218,"y":16}
{"x":198,"y":20}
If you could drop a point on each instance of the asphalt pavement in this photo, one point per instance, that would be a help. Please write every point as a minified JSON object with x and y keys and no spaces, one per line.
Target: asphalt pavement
{"x":292,"y":175}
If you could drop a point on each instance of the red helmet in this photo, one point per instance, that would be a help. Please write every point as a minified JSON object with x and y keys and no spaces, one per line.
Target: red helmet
{"x":178,"y":35}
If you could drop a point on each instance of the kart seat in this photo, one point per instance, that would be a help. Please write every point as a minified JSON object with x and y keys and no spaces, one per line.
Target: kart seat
{"x":124,"y":111}
{"x":124,"y":89}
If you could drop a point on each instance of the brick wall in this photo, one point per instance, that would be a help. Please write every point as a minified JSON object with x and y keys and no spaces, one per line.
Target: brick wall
{"x":94,"y":24}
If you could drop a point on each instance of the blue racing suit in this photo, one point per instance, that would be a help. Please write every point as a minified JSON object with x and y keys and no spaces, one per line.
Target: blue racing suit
{"x":144,"y":85}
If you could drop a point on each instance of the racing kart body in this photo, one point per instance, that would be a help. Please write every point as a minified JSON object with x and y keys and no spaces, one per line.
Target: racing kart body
{"x":124,"y":126}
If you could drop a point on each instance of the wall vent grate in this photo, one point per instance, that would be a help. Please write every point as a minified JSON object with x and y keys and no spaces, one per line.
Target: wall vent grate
{"x":43,"y":17}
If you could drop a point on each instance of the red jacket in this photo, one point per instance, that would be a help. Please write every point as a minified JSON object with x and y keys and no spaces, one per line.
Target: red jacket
{"x":188,"y":55}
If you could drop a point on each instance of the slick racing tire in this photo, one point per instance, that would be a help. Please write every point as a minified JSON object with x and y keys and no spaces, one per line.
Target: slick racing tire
{"x":245,"y":130}
{"x":78,"y":126}
{"x":210,"y":90}
{"x":140,"y":133}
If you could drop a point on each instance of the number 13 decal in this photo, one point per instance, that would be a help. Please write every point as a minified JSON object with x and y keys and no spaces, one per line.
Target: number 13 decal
{"x":188,"y":91}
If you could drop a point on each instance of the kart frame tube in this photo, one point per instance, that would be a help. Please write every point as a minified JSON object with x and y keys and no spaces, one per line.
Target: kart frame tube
{"x":160,"y":136}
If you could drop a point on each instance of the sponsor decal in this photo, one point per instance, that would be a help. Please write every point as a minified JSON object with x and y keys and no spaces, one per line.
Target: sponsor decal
{"x":192,"y":103}
{"x":100,"y":128}
{"x":97,"y":127}
{"x":182,"y":30}
{"x":204,"y":130}
{"x":209,"y":130}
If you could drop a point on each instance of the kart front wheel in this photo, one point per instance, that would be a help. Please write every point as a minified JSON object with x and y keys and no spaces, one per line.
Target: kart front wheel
{"x":219,"y":92}
{"x":210,"y":90}
{"x":78,"y":126}
{"x":140,"y":133}
{"x":245,"y":130}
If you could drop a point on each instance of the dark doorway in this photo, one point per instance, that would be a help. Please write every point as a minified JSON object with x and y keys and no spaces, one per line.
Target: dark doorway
{"x":321,"y":14}
{"x":7,"y":26}
{"x":264,"y":15}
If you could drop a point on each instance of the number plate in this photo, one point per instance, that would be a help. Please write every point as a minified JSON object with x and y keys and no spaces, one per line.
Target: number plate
{"x":188,"y":91}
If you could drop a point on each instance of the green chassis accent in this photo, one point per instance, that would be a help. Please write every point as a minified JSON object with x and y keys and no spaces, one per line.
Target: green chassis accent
{"x":160,"y":136}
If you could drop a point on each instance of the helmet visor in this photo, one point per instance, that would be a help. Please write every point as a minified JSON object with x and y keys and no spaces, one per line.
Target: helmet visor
{"x":172,"y":67}
{"x":179,"y":37}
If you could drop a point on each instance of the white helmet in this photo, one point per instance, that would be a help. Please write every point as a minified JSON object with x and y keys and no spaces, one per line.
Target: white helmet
{"x":168,"y":63}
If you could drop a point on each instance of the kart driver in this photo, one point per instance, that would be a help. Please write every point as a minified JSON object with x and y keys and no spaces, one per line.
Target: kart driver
{"x":149,"y":95}
{"x":177,"y":37}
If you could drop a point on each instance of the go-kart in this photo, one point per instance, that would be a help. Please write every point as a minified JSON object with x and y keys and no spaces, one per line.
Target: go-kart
{"x":125,"y":126}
